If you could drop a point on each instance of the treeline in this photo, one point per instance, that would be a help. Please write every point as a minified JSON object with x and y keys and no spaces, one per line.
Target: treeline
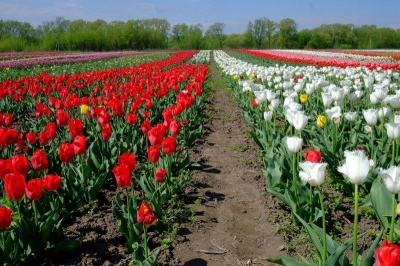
{"x":81,"y":35}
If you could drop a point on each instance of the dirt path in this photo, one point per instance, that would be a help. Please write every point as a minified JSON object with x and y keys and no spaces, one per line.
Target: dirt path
{"x":234,"y":219}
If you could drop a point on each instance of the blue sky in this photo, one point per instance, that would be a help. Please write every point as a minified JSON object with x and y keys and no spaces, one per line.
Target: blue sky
{"x":235,"y":14}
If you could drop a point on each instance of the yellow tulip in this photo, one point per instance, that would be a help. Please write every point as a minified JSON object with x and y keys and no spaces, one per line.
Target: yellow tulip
{"x":303,"y":98}
{"x":84,"y":109}
{"x":321,"y":121}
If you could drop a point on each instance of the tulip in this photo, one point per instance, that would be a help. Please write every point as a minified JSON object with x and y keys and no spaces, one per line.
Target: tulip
{"x":268,"y":116}
{"x":391,"y":179}
{"x":79,"y":145}
{"x":5,"y":218}
{"x":371,"y":116}
{"x":294,"y":144}
{"x":34,"y":189}
{"x":66,"y":152}
{"x":321,"y":121}
{"x":14,"y":185}
{"x":387,"y":255}
{"x":122,"y":175}
{"x":169,"y":145}
{"x":350,"y":116}
{"x":303,"y":98}
{"x":313,"y":173}
{"x":153,"y":154}
{"x":51,"y":182}
{"x":334,"y":114}
{"x":160,"y":175}
{"x":299,"y":121}
{"x":356,"y":168}
{"x":129,"y":160}
{"x":313,"y":156}
{"x":145,"y":215}
{"x":39,"y":161}
{"x":84,"y":109}
{"x":393,"y":130}
{"x":75,"y":127}
{"x":20,"y":164}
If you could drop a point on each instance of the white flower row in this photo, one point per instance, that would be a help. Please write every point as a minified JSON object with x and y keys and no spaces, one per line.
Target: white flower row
{"x":204,"y":56}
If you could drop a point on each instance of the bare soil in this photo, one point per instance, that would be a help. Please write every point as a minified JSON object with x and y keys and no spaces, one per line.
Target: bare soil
{"x":235,"y":215}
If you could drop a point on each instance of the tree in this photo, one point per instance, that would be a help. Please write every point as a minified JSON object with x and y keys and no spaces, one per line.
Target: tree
{"x":287,"y":35}
{"x":234,"y":41}
{"x":178,"y":32}
{"x":260,"y":31}
{"x":192,"y":38}
{"x":216,"y":31}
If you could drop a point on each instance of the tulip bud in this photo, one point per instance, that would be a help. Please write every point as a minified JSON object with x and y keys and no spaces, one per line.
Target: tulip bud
{"x":84,"y":109}
{"x":398,"y":209}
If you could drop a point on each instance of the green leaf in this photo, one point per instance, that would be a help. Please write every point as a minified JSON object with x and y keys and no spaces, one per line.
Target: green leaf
{"x":381,"y":202}
{"x":314,"y":237}
{"x":369,"y":257}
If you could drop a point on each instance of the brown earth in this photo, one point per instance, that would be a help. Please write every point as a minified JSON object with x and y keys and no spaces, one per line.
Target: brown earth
{"x":234,"y":218}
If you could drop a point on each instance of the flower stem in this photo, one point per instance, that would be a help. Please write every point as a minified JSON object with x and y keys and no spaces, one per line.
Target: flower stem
{"x":393,"y":151}
{"x":146,"y":248}
{"x":393,"y":218}
{"x":355,"y":262}
{"x":323,"y":226}
{"x":372,"y":143}
{"x":311,"y":205}
{"x":294,"y":167}
{"x":35,"y":212}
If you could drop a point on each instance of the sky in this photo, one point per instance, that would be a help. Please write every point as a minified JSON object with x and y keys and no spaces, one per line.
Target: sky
{"x":235,"y":14}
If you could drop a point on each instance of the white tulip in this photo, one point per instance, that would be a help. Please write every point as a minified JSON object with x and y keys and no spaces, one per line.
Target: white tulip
{"x":334,"y":114}
{"x":313,"y":173}
{"x":393,"y":130}
{"x":391,"y":178}
{"x":356,"y":166}
{"x":294,"y":144}
{"x":350,"y":116}
{"x":371,"y":116}
{"x":267,"y":116}
{"x":326,"y":99}
{"x":299,"y":121}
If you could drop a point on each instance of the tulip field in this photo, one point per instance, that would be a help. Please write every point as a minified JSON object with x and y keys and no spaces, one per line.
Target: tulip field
{"x":327,"y":124}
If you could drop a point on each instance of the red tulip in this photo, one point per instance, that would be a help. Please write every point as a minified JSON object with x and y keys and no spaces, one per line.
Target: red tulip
{"x":39,"y":161}
{"x":156,"y":134}
{"x":145,"y":126}
{"x":75,"y":127}
{"x":34,"y":189}
{"x":66,"y":152}
{"x":51,"y":128}
{"x":131,"y":119}
{"x":62,"y":118}
{"x":153,"y":154}
{"x":160,"y":175}
{"x":145,"y":215}
{"x":5,"y":217}
{"x":169,"y":145}
{"x":8,"y":120}
{"x":5,"y":167}
{"x":14,"y":185}
{"x":44,"y":138}
{"x":387,"y":255}
{"x":20,"y":164}
{"x":122,"y":175}
{"x":51,"y":182}
{"x":254,"y":102}
{"x":174,"y":128}
{"x":106,"y":131}
{"x":129,"y":160}
{"x":31,"y":138}
{"x":79,"y":144}
{"x":313,"y":156}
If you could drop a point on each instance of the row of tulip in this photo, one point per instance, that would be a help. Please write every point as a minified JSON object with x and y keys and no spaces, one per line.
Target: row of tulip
{"x":62,"y":136}
{"x":62,"y":58}
{"x":54,"y":69}
{"x":338,"y":115}
{"x":337,"y":54}
{"x":314,"y":59}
